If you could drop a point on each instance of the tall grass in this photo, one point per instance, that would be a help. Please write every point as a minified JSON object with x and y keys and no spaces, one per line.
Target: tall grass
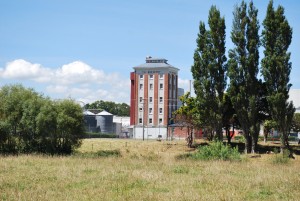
{"x":144,"y":171}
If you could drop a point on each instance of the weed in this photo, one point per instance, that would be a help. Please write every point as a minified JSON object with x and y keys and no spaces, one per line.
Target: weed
{"x":184,"y":156}
{"x":281,"y":158}
{"x":181,"y":170}
{"x":107,"y":153}
{"x":100,"y":153}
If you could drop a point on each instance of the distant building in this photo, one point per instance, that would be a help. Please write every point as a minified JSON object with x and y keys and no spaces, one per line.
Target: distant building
{"x":180,"y":93}
{"x":122,"y":125}
{"x":106,"y":123}
{"x":90,"y":122}
{"x":154,"y":93}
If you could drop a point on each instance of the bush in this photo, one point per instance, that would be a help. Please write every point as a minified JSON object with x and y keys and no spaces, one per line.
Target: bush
{"x":217,"y":151}
{"x":240,"y":139}
{"x":99,"y":135}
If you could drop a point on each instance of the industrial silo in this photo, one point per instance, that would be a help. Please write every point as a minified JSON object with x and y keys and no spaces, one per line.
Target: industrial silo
{"x":90,"y":121}
{"x":105,"y":122}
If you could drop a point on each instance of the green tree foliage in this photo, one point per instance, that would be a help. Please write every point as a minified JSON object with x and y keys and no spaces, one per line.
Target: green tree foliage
{"x":243,"y":68}
{"x":119,"y":109}
{"x":276,"y":69}
{"x":69,"y":125}
{"x":31,"y":123}
{"x":187,"y":116}
{"x":209,"y":71}
{"x":269,"y":126}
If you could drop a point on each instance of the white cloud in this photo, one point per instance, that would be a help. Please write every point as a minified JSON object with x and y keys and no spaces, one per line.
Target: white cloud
{"x":78,"y":72}
{"x":76,"y":80}
{"x":56,"y":89}
{"x":21,"y":69}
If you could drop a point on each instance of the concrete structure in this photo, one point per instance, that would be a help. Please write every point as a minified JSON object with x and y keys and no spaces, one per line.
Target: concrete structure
{"x":154,"y":92}
{"x":180,"y":93}
{"x":125,"y":123}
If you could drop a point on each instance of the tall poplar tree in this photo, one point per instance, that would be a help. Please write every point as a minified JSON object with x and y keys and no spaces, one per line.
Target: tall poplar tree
{"x":276,"y":69}
{"x":243,"y":68}
{"x":209,"y":71}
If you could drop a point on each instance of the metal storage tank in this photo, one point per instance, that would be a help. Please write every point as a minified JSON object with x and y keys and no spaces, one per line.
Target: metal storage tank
{"x":90,"y":121}
{"x":105,"y":122}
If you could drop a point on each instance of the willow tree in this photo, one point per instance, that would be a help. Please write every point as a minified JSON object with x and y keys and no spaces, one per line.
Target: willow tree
{"x":276,"y":69}
{"x":243,"y":68}
{"x":209,"y":71}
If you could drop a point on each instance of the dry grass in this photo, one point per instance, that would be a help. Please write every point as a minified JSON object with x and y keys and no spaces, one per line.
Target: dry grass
{"x":145,"y":171}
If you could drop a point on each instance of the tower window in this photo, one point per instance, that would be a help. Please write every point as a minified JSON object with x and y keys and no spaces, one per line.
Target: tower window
{"x":160,"y":110}
{"x":151,"y":86}
{"x":150,"y":99}
{"x":141,"y":86}
{"x":160,"y":99}
{"x":141,"y":76}
{"x":161,"y":86}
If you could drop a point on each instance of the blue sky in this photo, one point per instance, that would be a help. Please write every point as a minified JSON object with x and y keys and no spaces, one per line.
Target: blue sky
{"x":86,"y":49}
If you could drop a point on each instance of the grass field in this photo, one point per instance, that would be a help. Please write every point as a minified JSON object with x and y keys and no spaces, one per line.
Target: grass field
{"x":145,"y":171}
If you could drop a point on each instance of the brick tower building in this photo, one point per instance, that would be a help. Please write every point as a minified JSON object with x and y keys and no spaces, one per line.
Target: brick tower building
{"x":154,"y":88}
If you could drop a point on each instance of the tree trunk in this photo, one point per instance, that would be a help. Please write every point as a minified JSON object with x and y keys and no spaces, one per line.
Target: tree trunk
{"x":254,"y":143}
{"x":228,"y":135}
{"x":248,"y":143}
{"x":190,"y":137}
{"x":266,"y":133}
{"x":219,"y":133}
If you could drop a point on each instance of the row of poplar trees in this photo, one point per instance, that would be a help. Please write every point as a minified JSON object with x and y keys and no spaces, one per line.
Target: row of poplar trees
{"x":32,"y":123}
{"x":211,"y":69}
